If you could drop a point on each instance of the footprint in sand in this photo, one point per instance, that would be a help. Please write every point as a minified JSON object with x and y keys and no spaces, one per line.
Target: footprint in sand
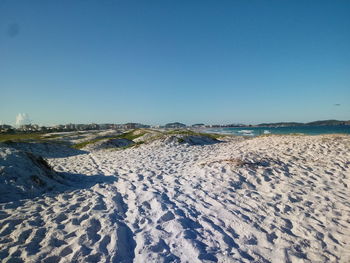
{"x":66,"y":251}
{"x":34,"y":246}
{"x":166,"y":217}
{"x":93,"y":229}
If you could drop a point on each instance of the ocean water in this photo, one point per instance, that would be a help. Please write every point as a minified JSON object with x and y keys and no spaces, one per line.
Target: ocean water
{"x":307,"y":130}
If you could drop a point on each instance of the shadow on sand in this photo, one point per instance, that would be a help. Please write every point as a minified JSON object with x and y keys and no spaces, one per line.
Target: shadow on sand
{"x":69,"y":182}
{"x":45,"y":149}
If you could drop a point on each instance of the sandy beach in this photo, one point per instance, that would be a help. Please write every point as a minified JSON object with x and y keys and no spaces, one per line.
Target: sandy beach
{"x":263,"y":199}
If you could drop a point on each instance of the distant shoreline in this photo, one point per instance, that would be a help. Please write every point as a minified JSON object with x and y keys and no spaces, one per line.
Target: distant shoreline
{"x":260,"y":130}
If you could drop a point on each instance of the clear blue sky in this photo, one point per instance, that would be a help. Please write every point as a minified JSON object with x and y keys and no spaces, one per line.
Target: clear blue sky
{"x":162,"y":61}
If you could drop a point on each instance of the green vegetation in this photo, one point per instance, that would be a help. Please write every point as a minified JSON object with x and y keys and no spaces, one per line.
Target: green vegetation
{"x":180,"y":140}
{"x":136,"y":144}
{"x":184,"y":132}
{"x":192,"y":133}
{"x":238,"y":162}
{"x":131,"y":135}
{"x":43,"y":137}
{"x":25,"y":137}
{"x":83,"y":144}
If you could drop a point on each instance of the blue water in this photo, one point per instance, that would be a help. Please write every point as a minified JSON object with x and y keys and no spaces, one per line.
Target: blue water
{"x":308,"y":130}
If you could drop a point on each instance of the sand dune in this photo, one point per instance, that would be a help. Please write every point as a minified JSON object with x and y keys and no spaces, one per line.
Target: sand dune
{"x":264,"y":199}
{"x":25,"y":175}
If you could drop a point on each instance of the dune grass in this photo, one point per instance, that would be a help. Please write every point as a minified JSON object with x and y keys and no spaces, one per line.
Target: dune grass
{"x":25,"y":137}
{"x":131,"y":135}
{"x":280,"y":134}
{"x":193,"y":133}
{"x":136,"y":144}
{"x":83,"y":144}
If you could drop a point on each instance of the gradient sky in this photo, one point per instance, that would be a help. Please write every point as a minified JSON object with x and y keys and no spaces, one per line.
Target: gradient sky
{"x":162,"y":61}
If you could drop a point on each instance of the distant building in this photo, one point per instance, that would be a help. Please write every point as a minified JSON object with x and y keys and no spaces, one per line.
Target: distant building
{"x":106,"y":126}
{"x":5,"y":128}
{"x":132,"y":125}
{"x":93,"y":126}
{"x":29,"y":127}
{"x":198,"y":125}
{"x":69,"y":126}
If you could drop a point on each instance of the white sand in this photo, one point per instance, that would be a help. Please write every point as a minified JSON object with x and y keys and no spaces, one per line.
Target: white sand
{"x":266,"y":199}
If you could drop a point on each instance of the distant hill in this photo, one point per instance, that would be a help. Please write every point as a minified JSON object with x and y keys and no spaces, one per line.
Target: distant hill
{"x":314,"y":123}
{"x":328,"y":122}
{"x":175,"y":125}
{"x":281,"y":124}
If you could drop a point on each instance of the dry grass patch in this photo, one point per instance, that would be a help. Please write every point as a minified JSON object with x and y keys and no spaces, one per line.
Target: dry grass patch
{"x":264,"y":162}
